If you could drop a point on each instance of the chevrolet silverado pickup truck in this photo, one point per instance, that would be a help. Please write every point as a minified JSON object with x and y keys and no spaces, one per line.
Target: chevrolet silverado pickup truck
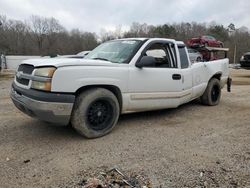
{"x":119,"y":76}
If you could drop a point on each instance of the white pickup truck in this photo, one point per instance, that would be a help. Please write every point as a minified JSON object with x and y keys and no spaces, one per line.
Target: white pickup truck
{"x":119,"y":76}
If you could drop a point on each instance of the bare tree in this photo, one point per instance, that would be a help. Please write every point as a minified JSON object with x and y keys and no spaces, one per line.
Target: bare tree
{"x":42,"y":36}
{"x":46,"y":36}
{"x":40,"y":27}
{"x":54,"y":28}
{"x":106,"y":35}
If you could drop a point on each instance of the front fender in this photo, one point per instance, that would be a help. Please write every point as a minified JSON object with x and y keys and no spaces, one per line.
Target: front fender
{"x":70,"y":79}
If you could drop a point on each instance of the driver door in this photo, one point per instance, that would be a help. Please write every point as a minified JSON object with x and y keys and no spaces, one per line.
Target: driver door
{"x":159,"y":86}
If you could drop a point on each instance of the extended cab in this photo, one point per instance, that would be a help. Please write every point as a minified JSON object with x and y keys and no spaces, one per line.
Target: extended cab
{"x":117,"y":77}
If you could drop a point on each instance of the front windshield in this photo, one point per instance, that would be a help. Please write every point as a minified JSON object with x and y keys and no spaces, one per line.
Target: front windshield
{"x":119,"y":51}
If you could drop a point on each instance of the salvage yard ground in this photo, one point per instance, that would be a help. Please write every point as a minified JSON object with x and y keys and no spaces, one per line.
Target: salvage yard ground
{"x":192,"y":146}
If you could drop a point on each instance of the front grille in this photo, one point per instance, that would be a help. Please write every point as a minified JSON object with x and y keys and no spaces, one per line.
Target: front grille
{"x":26,"y":69}
{"x":22,"y":81}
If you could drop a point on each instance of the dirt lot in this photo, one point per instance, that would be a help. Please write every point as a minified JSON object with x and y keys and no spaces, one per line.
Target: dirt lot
{"x":192,"y":146}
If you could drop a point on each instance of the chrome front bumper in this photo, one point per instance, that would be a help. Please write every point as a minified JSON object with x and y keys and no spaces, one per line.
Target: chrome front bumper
{"x":53,"y":112}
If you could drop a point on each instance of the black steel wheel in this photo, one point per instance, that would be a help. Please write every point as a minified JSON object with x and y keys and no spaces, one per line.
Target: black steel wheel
{"x":212,"y":94}
{"x":99,"y":114}
{"x":95,"y":113}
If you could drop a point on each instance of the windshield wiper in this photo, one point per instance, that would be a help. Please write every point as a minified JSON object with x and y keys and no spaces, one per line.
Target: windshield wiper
{"x":100,"y":58}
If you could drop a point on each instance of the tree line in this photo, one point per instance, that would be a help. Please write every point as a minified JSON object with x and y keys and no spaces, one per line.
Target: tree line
{"x":42,"y":36}
{"x":46,"y":36}
{"x":236,"y":39}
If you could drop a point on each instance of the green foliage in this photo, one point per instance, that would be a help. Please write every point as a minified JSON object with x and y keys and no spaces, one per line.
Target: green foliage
{"x":164,"y":31}
{"x":230,"y":36}
{"x":219,"y":32}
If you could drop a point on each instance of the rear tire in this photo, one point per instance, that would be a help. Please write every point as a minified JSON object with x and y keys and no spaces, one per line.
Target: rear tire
{"x":212,"y":94}
{"x":198,"y":59}
{"x":96,"y":112}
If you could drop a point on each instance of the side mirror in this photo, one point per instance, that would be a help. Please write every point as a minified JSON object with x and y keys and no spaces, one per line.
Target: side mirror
{"x":146,"y":61}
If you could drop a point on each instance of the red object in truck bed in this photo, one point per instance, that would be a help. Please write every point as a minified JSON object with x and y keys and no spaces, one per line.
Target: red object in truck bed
{"x":207,"y":41}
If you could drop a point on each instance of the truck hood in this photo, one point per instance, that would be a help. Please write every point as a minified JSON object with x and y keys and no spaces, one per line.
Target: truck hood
{"x":60,"y":62}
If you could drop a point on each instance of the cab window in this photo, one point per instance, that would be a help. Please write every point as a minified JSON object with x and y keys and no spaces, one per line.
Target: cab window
{"x":163,"y":55}
{"x":183,"y":57}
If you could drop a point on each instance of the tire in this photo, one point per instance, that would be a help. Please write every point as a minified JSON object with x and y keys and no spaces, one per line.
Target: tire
{"x":198,"y":59}
{"x":95,"y":113}
{"x":212,"y":94}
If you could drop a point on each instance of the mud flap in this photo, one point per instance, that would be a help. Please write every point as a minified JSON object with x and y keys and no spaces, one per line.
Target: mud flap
{"x":229,"y":83}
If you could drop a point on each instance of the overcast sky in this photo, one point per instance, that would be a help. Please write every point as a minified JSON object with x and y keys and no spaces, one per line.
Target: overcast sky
{"x":92,"y":15}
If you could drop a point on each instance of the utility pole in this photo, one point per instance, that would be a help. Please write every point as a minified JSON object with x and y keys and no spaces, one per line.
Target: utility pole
{"x":0,"y":53}
{"x":235,"y":49}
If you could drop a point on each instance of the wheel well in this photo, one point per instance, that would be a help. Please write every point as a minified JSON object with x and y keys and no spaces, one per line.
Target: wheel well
{"x":217,"y":76}
{"x":114,"y":89}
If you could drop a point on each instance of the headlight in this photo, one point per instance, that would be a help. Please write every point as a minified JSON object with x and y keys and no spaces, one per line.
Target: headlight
{"x":43,"y":78}
{"x":45,"y":72}
{"x":242,"y":58}
{"x":46,"y":86}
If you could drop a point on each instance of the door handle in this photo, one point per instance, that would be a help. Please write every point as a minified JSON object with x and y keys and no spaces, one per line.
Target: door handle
{"x":176,"y":76}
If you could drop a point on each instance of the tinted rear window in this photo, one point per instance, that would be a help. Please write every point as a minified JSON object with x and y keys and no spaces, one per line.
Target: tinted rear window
{"x":183,"y":58}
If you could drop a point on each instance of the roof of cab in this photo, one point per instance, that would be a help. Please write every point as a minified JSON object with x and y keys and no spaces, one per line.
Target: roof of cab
{"x":142,"y":39}
{"x":133,"y":39}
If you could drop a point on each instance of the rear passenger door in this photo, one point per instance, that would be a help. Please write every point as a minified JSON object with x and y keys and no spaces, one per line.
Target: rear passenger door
{"x":186,"y":73}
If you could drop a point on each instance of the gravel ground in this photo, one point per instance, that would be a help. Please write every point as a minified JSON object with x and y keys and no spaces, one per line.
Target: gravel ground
{"x":192,"y":146}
